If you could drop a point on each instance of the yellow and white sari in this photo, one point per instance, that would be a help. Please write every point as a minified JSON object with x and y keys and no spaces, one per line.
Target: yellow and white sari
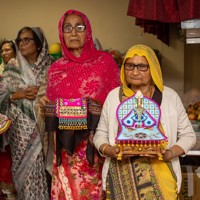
{"x":139,"y":178}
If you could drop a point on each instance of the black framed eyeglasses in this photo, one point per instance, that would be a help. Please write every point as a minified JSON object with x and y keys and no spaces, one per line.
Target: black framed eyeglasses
{"x":79,"y":28}
{"x":24,"y":40}
{"x":140,"y":67}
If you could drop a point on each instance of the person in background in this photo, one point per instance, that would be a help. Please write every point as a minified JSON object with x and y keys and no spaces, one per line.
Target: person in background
{"x":82,"y":72}
{"x":143,"y":176}
{"x":18,"y":90}
{"x":8,"y":53}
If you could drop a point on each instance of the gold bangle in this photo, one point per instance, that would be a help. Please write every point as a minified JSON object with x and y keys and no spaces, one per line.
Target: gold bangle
{"x":104,"y":148}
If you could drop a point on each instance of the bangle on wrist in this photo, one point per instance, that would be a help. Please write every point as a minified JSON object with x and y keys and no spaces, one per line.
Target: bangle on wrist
{"x":104,"y":148}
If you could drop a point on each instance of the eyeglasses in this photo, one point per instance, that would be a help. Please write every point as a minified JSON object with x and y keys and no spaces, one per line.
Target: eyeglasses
{"x":79,"y":28}
{"x":25,"y":40}
{"x":140,"y":67}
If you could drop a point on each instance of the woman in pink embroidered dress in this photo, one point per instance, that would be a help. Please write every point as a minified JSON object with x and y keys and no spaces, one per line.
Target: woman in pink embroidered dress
{"x":83,"y":71}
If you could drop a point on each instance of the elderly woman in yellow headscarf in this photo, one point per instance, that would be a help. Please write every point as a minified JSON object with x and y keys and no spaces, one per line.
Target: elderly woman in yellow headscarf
{"x":143,"y":176}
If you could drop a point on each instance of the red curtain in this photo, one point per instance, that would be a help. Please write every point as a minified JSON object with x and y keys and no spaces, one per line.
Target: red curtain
{"x":188,"y":9}
{"x":155,"y":15}
{"x":155,"y":27}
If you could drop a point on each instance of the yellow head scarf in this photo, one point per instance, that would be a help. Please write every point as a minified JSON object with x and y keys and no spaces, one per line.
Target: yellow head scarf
{"x":155,"y":70}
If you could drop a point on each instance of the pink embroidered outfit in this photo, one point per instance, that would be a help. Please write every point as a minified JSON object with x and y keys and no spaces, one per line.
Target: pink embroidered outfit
{"x":92,"y":75}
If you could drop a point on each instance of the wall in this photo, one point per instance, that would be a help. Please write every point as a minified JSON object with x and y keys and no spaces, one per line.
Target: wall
{"x":110,"y":25}
{"x":192,"y":67}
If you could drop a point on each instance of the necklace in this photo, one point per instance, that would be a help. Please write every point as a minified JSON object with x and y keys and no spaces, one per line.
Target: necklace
{"x":149,"y":92}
